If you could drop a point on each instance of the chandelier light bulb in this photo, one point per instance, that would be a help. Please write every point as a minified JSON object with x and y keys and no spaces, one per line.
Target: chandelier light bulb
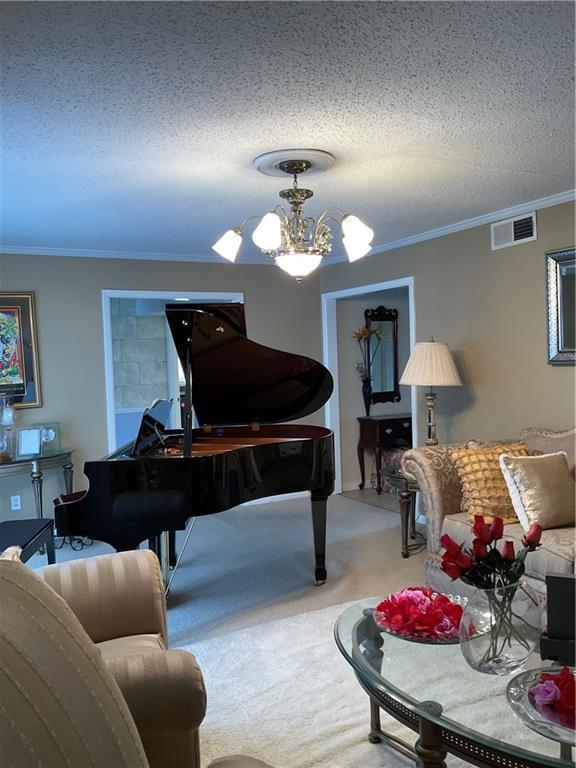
{"x":228,"y":245}
{"x":300,"y":264}
{"x":355,"y":229}
{"x":268,"y":234}
{"x":355,"y":248}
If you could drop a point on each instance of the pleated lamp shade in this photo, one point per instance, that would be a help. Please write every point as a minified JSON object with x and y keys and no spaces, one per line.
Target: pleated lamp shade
{"x":431,"y":365}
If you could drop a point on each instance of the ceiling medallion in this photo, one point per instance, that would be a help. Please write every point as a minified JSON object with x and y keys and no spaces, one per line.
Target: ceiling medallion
{"x":295,"y":242}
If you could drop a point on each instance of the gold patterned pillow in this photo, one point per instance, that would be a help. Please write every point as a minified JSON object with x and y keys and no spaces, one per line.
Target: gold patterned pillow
{"x":541,"y":489}
{"x":484,"y":490}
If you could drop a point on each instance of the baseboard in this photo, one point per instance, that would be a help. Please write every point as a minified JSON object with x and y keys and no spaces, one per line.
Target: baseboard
{"x":351,"y":486}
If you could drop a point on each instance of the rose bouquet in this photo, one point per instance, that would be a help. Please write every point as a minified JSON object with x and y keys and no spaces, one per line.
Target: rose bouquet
{"x":419,"y":612}
{"x":554,"y":696}
{"x":502,"y":623}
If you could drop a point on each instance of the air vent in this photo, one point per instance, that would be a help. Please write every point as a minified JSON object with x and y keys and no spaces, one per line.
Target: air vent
{"x":520,"y":229}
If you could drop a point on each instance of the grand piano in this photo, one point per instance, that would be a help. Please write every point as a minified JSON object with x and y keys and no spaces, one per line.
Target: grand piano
{"x":240,"y":392}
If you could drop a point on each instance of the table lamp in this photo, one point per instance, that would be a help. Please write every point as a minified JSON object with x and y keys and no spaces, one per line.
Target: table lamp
{"x":431,"y":365}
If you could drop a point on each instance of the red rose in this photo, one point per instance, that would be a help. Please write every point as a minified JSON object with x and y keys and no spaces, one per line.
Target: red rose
{"x":496,"y":529}
{"x":480,"y":549}
{"x":565,"y":705}
{"x":464,"y":561}
{"x":481,"y":530}
{"x":449,"y":544}
{"x":533,"y":535}
{"x":508,"y":551}
{"x":451,"y":568}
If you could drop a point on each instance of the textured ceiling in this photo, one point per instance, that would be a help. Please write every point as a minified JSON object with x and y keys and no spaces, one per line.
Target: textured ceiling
{"x":131,"y":127}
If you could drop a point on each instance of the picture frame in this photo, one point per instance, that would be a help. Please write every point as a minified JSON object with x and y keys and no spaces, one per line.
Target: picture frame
{"x":19,"y":368}
{"x":560,"y":306}
{"x":28,"y":442}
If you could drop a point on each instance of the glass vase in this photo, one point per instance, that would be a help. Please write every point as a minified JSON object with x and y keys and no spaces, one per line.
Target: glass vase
{"x":500,"y":627}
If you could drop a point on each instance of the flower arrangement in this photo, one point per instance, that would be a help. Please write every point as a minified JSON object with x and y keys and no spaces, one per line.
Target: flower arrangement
{"x":484,"y":565}
{"x":419,"y":612}
{"x":363,"y":336}
{"x":554,"y":696}
{"x":502,"y":620}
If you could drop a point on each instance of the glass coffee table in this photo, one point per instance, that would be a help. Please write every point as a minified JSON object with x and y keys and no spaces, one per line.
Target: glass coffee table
{"x":432,"y":690}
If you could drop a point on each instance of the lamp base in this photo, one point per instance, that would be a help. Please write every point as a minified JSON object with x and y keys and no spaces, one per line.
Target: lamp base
{"x":430,"y":403}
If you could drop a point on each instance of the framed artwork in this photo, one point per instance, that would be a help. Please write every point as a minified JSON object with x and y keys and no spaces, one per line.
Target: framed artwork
{"x":19,"y":370}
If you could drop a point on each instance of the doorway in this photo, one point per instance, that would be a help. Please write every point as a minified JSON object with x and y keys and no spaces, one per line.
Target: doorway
{"x":333,"y":345}
{"x":140,"y":360}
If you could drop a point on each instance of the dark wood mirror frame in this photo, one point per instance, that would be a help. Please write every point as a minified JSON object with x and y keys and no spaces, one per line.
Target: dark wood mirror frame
{"x":383,"y":315}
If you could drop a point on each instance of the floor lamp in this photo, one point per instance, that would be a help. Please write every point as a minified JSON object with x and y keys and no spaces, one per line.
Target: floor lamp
{"x":431,"y":365}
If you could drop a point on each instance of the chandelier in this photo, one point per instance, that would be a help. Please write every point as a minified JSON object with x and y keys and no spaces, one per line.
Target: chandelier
{"x":297,"y":243}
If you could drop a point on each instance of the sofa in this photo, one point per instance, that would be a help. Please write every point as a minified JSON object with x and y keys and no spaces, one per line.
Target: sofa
{"x":123,"y":701}
{"x":433,"y":469}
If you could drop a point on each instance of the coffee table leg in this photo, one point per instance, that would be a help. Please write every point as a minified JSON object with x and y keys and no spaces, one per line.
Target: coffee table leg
{"x":375,"y":726}
{"x":429,"y":749}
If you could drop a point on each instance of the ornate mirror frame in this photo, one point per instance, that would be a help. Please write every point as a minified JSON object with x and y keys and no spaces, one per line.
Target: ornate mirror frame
{"x":383,"y":315}
{"x":560,"y":282}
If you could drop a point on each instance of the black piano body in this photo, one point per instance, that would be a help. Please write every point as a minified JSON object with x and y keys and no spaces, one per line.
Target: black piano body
{"x":239,"y":390}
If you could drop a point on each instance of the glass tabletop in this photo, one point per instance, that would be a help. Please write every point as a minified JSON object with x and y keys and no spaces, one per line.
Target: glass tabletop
{"x":474,"y":705}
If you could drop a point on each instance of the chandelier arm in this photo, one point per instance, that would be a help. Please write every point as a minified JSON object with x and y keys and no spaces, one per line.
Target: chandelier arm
{"x":246,"y":220}
{"x":280,"y":209}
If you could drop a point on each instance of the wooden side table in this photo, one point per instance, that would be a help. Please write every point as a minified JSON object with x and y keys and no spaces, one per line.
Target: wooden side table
{"x":381,"y":433}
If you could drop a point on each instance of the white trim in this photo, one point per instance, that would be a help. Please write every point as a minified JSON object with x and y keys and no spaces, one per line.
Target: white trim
{"x":107,"y":294}
{"x":431,"y":234}
{"x":330,"y":358}
{"x":460,"y":226}
{"x":28,"y":250}
{"x":355,"y":486}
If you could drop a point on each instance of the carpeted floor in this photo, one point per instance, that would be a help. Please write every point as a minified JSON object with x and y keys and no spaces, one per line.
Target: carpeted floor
{"x":255,"y":563}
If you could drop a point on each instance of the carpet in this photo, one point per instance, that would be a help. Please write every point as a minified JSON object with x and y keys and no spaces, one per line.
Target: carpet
{"x":282,"y":692}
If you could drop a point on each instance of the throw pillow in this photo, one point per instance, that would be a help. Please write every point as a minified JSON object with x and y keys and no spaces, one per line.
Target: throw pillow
{"x":484,"y":490}
{"x":541,"y":489}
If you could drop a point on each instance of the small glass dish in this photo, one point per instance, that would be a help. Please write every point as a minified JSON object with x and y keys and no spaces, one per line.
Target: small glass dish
{"x":421,"y":638}
{"x":517,"y":694}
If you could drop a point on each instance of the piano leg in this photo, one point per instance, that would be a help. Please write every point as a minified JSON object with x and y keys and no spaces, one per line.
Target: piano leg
{"x":319,"y":526}
{"x":172,"y":558}
{"x":165,"y":556}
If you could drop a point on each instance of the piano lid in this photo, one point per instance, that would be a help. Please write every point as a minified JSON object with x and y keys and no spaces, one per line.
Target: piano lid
{"x":236,"y":381}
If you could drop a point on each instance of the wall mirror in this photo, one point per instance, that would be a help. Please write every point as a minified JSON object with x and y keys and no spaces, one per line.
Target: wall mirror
{"x":382,"y":354}
{"x":561,"y":281}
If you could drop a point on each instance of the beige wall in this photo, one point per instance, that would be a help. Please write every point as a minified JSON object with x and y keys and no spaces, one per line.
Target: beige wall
{"x":490,"y":307}
{"x":350,"y":316}
{"x":279,"y":313}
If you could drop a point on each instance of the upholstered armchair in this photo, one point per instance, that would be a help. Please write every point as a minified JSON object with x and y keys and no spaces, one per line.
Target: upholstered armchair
{"x":119,"y":600}
{"x":123,"y":701}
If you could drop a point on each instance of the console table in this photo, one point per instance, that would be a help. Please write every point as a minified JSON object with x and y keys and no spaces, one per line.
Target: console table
{"x":36,"y":467}
{"x":382,"y":433}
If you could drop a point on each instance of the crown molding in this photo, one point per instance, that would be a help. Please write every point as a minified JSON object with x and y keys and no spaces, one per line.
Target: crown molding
{"x":25,"y":250}
{"x":431,"y":234}
{"x":460,"y":226}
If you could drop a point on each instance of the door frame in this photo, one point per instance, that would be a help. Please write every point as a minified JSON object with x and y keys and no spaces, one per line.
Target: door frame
{"x":107,"y":294}
{"x":330,"y":357}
